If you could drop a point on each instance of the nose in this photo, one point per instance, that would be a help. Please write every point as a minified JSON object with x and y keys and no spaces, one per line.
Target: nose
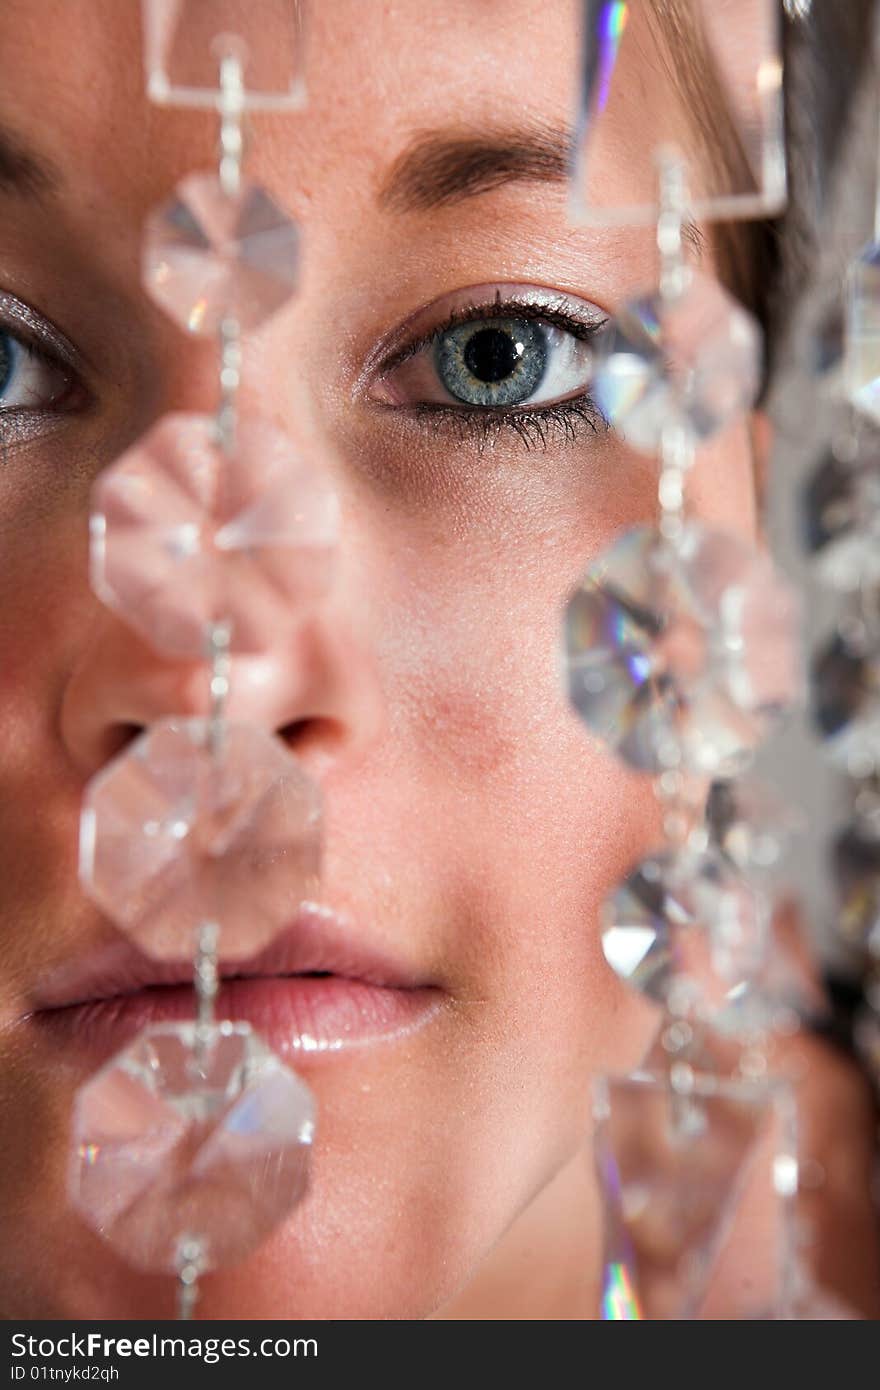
{"x":316,"y":687}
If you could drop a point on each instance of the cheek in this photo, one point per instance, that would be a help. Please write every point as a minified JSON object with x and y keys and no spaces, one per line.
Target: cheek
{"x":526,"y":818}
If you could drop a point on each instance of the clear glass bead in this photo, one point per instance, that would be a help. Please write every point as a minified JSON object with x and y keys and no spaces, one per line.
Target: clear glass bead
{"x":685,"y":926}
{"x":185,"y":39}
{"x":668,"y":1155}
{"x":842,"y":522}
{"x":185,"y":535}
{"x":174,"y":1142}
{"x":751,"y":823}
{"x":175,"y":833}
{"x":211,"y":255}
{"x":614,"y":178}
{"x":693,"y":361}
{"x":857,"y":871}
{"x":681,"y":655}
{"x":867,"y":1039}
{"x":863,"y":332}
{"x":846,"y":704}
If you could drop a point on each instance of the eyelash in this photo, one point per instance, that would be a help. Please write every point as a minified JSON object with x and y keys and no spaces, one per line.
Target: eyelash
{"x":535,"y":426}
{"x":21,"y":424}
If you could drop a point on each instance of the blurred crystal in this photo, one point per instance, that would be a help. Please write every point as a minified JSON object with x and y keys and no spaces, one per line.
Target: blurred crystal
{"x":177,"y":1142}
{"x":185,"y":535}
{"x":857,"y":871}
{"x":685,"y":923}
{"x":176,"y":832}
{"x":829,"y":341}
{"x":846,"y":704}
{"x":693,"y":361}
{"x":752,"y":823}
{"x":668,"y":1157}
{"x":184,"y":41}
{"x":806,"y":1302}
{"x":842,"y":514}
{"x":633,"y":79}
{"x":211,"y":255}
{"x":863,"y":332}
{"x":681,"y":654}
{"x":866,"y":1033}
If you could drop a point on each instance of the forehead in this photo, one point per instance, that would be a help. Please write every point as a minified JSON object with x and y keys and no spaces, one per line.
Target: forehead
{"x":376,"y":71}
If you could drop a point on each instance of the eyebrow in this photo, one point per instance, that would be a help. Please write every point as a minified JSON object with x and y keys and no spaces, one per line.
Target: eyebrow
{"x":441,"y":167}
{"x":22,"y":171}
{"x":438,"y":168}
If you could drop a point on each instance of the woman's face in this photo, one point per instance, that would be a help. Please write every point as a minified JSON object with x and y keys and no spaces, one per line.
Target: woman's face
{"x":472,"y":825}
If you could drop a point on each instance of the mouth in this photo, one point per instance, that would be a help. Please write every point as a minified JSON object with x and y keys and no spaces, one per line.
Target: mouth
{"x":319,"y":989}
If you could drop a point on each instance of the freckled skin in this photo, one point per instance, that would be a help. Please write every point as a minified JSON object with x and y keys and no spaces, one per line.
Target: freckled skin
{"x":469,"y":816}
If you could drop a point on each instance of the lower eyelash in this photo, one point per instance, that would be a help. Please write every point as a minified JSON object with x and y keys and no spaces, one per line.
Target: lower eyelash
{"x":537,"y":428}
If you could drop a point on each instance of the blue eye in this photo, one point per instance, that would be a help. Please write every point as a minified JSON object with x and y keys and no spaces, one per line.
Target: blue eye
{"x":28,"y":379}
{"x":498,"y":360}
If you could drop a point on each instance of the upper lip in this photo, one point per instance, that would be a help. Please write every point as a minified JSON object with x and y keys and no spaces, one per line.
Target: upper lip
{"x":319,"y":939}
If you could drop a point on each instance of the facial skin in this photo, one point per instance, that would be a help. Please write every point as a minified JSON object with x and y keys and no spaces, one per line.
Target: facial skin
{"x":472,"y":825}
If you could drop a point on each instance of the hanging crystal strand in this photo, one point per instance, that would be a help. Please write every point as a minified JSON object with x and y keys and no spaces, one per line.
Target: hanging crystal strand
{"x":188,"y":1271}
{"x":683,"y":684}
{"x":209,"y":537}
{"x":846,"y":671}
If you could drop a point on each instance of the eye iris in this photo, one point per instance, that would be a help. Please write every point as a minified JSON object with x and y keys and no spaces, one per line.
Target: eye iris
{"x":5,"y":362}
{"x":494,"y":362}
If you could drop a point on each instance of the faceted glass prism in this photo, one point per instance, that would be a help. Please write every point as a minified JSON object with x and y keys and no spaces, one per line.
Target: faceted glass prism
{"x":846,"y":705}
{"x":682,"y":655}
{"x":862,"y":369}
{"x":842,"y":522}
{"x":857,"y":871}
{"x":693,"y":362}
{"x":174,"y":1144}
{"x":183,"y":42}
{"x":174,"y":833}
{"x":668,"y":1166}
{"x":751,"y":823}
{"x":185,"y":535}
{"x":685,"y":923}
{"x":633,"y":79}
{"x":866,"y":1033}
{"x":209,"y":255}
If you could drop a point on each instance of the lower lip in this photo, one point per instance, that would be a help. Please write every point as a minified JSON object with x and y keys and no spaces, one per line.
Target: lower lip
{"x":298,"y":1016}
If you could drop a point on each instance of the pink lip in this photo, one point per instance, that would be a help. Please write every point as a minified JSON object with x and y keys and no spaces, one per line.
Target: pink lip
{"x":360,"y":996}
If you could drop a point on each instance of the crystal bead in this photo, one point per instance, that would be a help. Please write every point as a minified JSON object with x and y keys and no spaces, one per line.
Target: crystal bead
{"x":685,"y":924}
{"x":681,"y":654}
{"x":185,"y":535}
{"x":210,"y":255}
{"x":751,"y":824}
{"x":693,"y":362}
{"x":846,"y":704}
{"x":842,"y":522}
{"x":807,"y":1303}
{"x":614,"y":177}
{"x":866,"y":1034}
{"x":174,"y":1142}
{"x":668,"y":1158}
{"x":185,"y":39}
{"x":857,"y":871}
{"x":863,"y":332}
{"x":175,"y":833}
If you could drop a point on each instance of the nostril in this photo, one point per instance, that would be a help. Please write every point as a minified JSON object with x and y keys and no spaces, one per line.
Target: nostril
{"x":318,"y":740}
{"x":118,"y":737}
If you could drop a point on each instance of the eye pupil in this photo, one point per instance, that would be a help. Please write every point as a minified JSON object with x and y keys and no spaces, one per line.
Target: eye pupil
{"x":492,"y":354}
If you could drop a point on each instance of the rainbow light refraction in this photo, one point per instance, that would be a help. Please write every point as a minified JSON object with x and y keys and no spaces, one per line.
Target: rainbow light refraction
{"x":619,"y":1301}
{"x":609,"y":32}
